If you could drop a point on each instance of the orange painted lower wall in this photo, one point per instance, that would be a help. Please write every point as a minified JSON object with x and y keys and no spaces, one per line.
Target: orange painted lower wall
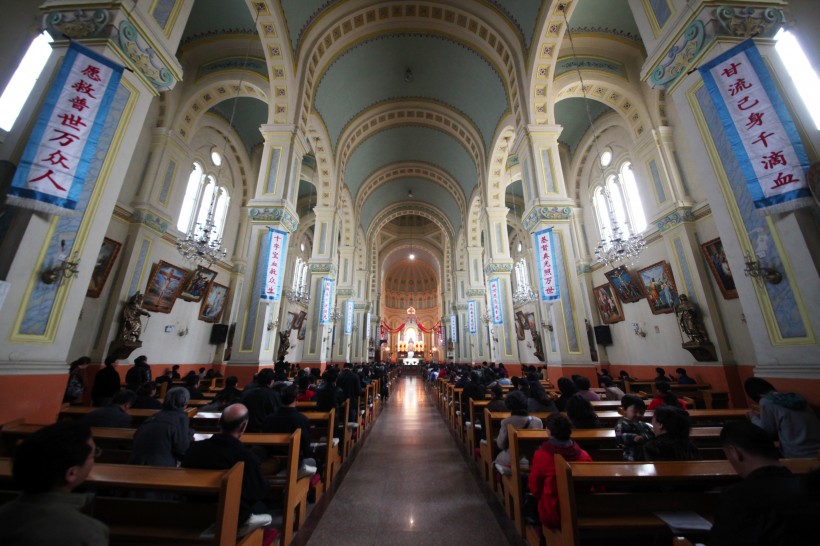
{"x":35,"y":398}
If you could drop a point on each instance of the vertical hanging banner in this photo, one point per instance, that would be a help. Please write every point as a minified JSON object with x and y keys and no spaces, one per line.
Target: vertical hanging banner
{"x":453,"y":329}
{"x":495,"y":302}
{"x":349,"y":317}
{"x":546,"y":265}
{"x":471,"y":317}
{"x":382,"y":332}
{"x":441,"y":337}
{"x":57,"y":157}
{"x":327,"y":300}
{"x":277,"y":252}
{"x":759,"y":128}
{"x":367,"y":327}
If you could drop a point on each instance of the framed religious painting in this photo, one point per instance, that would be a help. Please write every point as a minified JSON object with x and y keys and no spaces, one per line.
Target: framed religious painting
{"x":519,"y":331}
{"x":289,"y":323}
{"x":213,"y":303}
{"x":522,"y":320}
{"x":608,"y":305}
{"x":196,"y":284}
{"x":105,"y":261}
{"x":659,"y":287}
{"x":716,"y":258}
{"x":531,"y":322}
{"x":163,"y":287}
{"x":302,"y":330}
{"x":625,"y":284}
{"x":297,"y":322}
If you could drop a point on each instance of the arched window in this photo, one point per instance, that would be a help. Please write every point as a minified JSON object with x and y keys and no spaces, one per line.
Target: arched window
{"x":203,"y":196}
{"x":618,"y":201}
{"x":522,"y":276}
{"x":22,"y":81}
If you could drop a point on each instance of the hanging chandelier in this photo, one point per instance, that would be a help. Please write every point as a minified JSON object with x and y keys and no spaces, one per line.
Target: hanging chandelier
{"x":202,"y":245}
{"x":300,"y":295}
{"x":618,"y":246}
{"x":523,"y":295}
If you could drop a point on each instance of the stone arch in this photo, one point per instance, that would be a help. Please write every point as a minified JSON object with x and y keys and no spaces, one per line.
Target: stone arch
{"x":496,"y":168}
{"x":240,"y":162}
{"x":273,"y":38}
{"x":401,"y":113}
{"x":410,"y":168}
{"x":581,"y":162}
{"x":473,"y":234}
{"x":499,"y":45}
{"x":348,"y":219}
{"x":325,"y":168}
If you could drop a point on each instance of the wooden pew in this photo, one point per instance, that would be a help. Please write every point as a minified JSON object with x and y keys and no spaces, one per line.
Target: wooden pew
{"x":489,"y":447}
{"x":473,"y":423}
{"x":170,"y":521}
{"x":138,"y":415}
{"x":634,"y":492}
{"x":322,"y":428}
{"x":702,"y":418}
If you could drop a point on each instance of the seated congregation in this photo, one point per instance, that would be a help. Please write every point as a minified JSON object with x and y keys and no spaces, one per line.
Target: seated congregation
{"x":245,"y":467}
{"x":612,"y":465}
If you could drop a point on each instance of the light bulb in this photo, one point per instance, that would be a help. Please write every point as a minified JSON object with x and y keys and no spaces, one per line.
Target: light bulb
{"x":412,"y":256}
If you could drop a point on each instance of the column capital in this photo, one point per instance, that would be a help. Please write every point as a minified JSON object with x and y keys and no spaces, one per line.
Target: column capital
{"x":280,"y":214}
{"x":540,"y":215}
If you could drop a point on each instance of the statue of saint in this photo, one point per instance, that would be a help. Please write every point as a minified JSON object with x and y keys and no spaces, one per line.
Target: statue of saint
{"x":131,"y":315}
{"x":284,"y":344}
{"x":690,"y":323}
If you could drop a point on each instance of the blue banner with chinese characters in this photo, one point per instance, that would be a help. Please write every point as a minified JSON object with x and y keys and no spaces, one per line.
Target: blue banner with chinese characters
{"x":277,"y":252}
{"x":544,"y":246}
{"x":760,"y":129}
{"x":57,"y":157}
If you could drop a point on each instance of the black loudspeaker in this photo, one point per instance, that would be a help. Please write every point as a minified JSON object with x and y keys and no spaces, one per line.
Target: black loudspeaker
{"x":219,"y":333}
{"x":603,"y":335}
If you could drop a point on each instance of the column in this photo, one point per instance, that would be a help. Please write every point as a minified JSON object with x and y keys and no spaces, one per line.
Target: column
{"x":503,"y":340}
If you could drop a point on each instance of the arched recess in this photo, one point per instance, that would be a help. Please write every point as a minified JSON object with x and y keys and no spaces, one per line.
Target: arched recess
{"x":204,"y":95}
{"x":482,"y":29}
{"x":281,"y":66}
{"x":410,"y":169}
{"x":614,"y":92}
{"x":401,"y":113}
{"x":582,"y":165}
{"x":238,"y":162}
{"x":496,"y":179}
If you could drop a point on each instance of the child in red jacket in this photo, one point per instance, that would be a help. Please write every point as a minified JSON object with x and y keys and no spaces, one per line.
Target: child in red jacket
{"x":542,"y":479}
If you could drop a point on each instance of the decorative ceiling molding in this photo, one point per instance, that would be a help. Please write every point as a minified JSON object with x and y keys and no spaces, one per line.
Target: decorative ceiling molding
{"x":351,"y":29}
{"x":494,"y":195}
{"x":208,"y":93}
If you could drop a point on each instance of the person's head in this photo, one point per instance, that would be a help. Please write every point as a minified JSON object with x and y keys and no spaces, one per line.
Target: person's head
{"x":661,"y":372}
{"x":175,"y":368}
{"x":110,"y":361}
{"x":331,"y":375}
{"x":82,"y":361}
{"x":672,"y":421}
{"x":192,"y":381}
{"x":202,"y":370}
{"x":560,"y":427}
{"x":633,"y":407}
{"x":747,"y":447}
{"x":516,"y":402}
{"x":606,"y":381}
{"x":125,"y":398}
{"x":140,"y":360}
{"x":147,"y":389}
{"x":231,"y":382}
{"x":234,"y":419}
{"x":623,"y":374}
{"x":756,"y":388}
{"x":604,"y":371}
{"x":581,"y":412}
{"x":582,"y":383}
{"x":663,"y":387}
{"x":176,"y":398}
{"x":681,"y":372}
{"x":265,"y":377}
{"x":58,"y":457}
{"x":566,"y":386}
{"x":348,"y":365}
{"x":498,"y":392}
{"x":664,"y":392}
{"x":288,"y":395}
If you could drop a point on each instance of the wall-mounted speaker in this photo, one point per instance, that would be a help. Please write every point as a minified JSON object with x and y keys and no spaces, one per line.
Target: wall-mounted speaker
{"x":219,"y":333}
{"x":603,"y":336}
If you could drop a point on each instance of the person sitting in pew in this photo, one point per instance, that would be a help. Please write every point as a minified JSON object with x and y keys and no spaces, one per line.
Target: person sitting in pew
{"x":683,"y":377}
{"x":631,"y":431}
{"x":786,"y":416}
{"x":48,"y":466}
{"x":516,"y":402}
{"x":223,"y":450}
{"x":613,"y":392}
{"x":771,"y":505}
{"x":163,"y":438}
{"x":664,"y":397}
{"x":542,"y":481}
{"x":660,"y":375}
{"x":496,"y":402}
{"x":671,"y":442}
{"x":567,"y":389}
{"x":106,"y":382}
{"x":287,"y":420}
{"x":261,"y":401}
{"x":537,"y":398}
{"x":192,"y":384}
{"x":581,"y":413}
{"x":474,"y":390}
{"x":115,"y":413}
{"x":229,"y":394}
{"x":147,"y":397}
{"x":584,"y":386}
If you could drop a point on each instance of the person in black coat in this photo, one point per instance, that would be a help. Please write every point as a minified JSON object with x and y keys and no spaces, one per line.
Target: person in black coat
{"x":287,"y":419}
{"x":351,"y":387}
{"x":192,"y":384}
{"x":223,"y":450}
{"x":146,"y":397}
{"x":106,"y":383}
{"x":261,"y":401}
{"x":139,"y":374}
{"x":114,"y":414}
{"x":163,"y":438}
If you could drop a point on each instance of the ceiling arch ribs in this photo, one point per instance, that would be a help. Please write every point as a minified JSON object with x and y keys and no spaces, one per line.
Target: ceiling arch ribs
{"x":497,"y":181}
{"x":325,"y":168}
{"x":485,"y":30}
{"x":242,"y":170}
{"x":473,"y":225}
{"x":347,"y":217}
{"x":398,"y":210}
{"x":580,"y":163}
{"x":273,"y":36}
{"x":406,"y":169}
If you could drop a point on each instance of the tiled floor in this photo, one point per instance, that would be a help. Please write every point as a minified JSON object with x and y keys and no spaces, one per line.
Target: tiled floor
{"x":409,"y":484}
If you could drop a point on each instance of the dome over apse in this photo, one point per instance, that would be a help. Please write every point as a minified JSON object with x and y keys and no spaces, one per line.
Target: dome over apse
{"x":410,"y":276}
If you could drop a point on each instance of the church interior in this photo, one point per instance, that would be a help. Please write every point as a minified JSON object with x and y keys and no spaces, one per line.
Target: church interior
{"x":523,"y":182}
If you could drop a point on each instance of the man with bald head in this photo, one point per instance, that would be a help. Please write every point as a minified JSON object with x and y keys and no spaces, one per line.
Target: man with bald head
{"x":222,"y":451}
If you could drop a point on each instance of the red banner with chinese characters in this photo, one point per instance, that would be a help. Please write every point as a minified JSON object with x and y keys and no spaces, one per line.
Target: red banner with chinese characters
{"x":59,"y":153}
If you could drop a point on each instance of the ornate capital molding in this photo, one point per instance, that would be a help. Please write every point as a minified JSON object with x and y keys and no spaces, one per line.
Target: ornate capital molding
{"x":553,"y":214}
{"x":344,"y":292}
{"x":279,"y":215}
{"x":680,"y":55}
{"x":78,"y":24}
{"x":150,"y":219}
{"x":744,"y":22}
{"x":475,"y":292}
{"x":674,"y":219}
{"x":325,"y":267}
{"x":491,"y":268}
{"x":461,"y":307}
{"x":144,"y":57}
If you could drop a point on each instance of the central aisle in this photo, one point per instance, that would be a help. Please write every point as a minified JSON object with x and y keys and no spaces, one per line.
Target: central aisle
{"x":409,"y":484}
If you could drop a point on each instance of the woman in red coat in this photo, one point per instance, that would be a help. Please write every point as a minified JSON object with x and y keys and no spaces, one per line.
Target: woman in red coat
{"x":542,"y":470}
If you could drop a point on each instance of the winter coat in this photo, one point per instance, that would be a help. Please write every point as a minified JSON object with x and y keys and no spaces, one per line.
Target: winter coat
{"x":542,"y":481}
{"x":789,"y":417}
